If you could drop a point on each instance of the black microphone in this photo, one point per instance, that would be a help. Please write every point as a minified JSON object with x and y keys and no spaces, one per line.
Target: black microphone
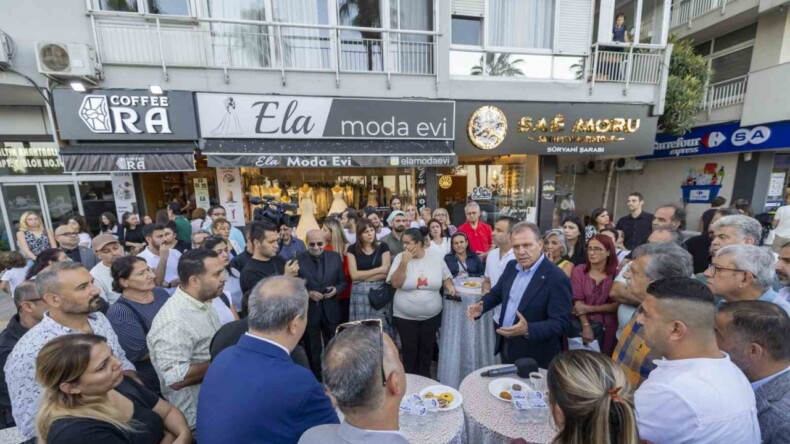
{"x":523,"y":367}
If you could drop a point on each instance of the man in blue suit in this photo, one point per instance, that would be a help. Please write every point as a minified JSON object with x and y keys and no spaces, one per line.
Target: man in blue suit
{"x":253,"y":392}
{"x":536,"y":301}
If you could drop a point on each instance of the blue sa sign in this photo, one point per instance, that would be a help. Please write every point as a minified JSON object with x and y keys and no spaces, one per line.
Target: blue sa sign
{"x":721,"y":139}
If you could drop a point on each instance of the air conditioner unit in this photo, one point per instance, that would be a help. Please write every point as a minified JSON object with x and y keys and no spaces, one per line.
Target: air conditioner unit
{"x":629,"y":164}
{"x":65,"y":59}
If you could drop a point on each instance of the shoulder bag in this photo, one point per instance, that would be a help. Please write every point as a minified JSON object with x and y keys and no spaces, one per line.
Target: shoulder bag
{"x":380,"y":297}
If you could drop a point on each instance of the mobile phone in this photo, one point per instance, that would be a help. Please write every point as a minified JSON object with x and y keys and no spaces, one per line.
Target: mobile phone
{"x":327,"y":290}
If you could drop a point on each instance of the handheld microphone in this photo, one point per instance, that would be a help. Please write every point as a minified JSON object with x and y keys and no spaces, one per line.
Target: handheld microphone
{"x":523,"y":367}
{"x":500,"y":371}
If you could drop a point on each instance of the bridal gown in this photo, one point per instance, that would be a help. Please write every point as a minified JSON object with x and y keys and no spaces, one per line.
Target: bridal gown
{"x":307,"y":220}
{"x":339,"y":203}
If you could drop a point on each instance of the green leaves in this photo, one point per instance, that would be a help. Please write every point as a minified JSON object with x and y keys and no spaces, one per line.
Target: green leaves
{"x":498,"y":65}
{"x":688,"y":76}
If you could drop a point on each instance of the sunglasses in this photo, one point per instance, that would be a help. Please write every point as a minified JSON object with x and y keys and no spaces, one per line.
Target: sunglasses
{"x":316,"y":244}
{"x":369,"y":323}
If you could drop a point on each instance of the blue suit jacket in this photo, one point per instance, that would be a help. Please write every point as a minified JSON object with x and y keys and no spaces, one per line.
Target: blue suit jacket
{"x":546,"y":305}
{"x":254,"y":393}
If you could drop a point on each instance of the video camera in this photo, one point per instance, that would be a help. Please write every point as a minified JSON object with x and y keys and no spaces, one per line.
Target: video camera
{"x":274,"y":211}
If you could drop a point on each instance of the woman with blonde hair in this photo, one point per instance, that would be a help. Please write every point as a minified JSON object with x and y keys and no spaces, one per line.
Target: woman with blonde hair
{"x":87,"y":399}
{"x":33,"y":237}
{"x":591,"y":400}
{"x":443,"y":217}
{"x":335,"y":237}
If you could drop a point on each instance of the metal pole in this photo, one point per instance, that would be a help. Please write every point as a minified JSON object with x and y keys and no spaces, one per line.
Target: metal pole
{"x":161,"y":48}
{"x":628,"y":69}
{"x":282,"y":53}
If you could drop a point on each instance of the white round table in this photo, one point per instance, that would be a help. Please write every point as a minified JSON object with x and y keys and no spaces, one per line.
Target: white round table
{"x":11,"y":436}
{"x":490,"y":420}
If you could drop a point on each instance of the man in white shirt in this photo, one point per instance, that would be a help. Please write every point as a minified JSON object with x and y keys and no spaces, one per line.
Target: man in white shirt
{"x":381,"y":231}
{"x":162,"y":260}
{"x":499,"y":257}
{"x":107,"y":249}
{"x":781,"y":225}
{"x":755,"y":333}
{"x":349,"y":220}
{"x":695,"y":394}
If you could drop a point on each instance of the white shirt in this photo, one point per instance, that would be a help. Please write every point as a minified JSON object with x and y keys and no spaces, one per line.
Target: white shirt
{"x":697,"y":401}
{"x":224,"y":313}
{"x":783,"y":216}
{"x":495,"y":266}
{"x":418,"y":299}
{"x":14,"y":277}
{"x":171,"y":269}
{"x":352,"y":238}
{"x":103,"y":279}
{"x":624,"y":311}
{"x":384,"y":231}
{"x":442,"y":248}
{"x":269,"y":341}
{"x":85,"y":240}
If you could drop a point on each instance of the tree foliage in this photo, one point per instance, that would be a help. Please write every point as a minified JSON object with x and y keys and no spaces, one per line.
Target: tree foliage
{"x":498,"y":65}
{"x":688,"y":76}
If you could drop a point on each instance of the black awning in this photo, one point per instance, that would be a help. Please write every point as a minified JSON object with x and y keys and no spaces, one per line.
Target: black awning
{"x":102,"y":158}
{"x":329,"y":153}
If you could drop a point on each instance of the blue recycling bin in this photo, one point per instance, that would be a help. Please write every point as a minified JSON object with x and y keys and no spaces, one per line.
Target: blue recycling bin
{"x":699,"y":193}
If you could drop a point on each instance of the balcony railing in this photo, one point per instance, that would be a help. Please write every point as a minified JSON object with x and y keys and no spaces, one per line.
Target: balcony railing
{"x":685,"y":11}
{"x":627,"y":64}
{"x":726,"y":93}
{"x":150,"y":40}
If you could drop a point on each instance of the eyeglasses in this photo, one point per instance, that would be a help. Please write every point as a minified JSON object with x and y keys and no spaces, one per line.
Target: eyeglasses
{"x":69,"y":233}
{"x":369,"y":323}
{"x":315,"y":244}
{"x":716,"y":269}
{"x":596,"y":250}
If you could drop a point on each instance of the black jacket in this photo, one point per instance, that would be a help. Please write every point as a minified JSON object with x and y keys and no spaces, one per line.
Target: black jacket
{"x":332,"y":276}
{"x":8,"y":339}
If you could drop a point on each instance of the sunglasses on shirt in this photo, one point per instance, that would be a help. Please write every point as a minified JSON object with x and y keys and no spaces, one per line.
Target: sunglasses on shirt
{"x":369,"y":323}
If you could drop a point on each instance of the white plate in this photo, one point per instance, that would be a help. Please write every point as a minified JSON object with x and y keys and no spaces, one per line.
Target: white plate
{"x":500,"y":385}
{"x":458,"y":399}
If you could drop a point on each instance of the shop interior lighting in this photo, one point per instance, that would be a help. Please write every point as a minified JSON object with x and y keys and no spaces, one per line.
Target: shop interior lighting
{"x":155,"y":89}
{"x":78,"y":86}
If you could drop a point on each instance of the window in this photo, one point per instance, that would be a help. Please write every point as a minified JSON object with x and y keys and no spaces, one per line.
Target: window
{"x":467,"y":31}
{"x":118,"y":5}
{"x":168,"y":7}
{"x":704,"y":48}
{"x":526,"y":24}
{"x":732,"y":65}
{"x":735,"y":38}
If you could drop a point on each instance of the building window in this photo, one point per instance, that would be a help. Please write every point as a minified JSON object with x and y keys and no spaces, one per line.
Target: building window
{"x":467,"y":31}
{"x":732,"y":65}
{"x":118,"y":5}
{"x":520,"y":24}
{"x":168,"y":7}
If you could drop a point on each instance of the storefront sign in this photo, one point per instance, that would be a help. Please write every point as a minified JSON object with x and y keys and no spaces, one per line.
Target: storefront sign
{"x":124,"y":194}
{"x":80,"y":161}
{"x":553,"y":128}
{"x":117,"y":114}
{"x":481,"y":193}
{"x":230,"y":195}
{"x":422,"y":187}
{"x":242,"y":116}
{"x":19,"y":161}
{"x":776,"y":188}
{"x":268,"y":161}
{"x":548,"y":189}
{"x":201,"y":193}
{"x":722,"y":139}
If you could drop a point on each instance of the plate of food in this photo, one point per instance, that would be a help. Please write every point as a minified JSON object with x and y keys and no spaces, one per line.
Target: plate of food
{"x":472,"y":284}
{"x":448,"y":397}
{"x":501,"y":388}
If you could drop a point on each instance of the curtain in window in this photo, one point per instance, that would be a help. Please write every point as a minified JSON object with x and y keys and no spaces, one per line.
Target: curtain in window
{"x":732,"y":65}
{"x":303,"y":47}
{"x":412,"y":53}
{"x":520,"y":23}
{"x":236,"y":45}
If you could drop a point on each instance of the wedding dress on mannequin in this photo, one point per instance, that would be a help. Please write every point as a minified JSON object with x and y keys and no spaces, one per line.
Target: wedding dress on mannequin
{"x":307,"y":220}
{"x":339,"y":202}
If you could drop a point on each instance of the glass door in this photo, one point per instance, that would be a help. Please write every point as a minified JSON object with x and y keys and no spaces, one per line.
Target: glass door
{"x":52,"y":201}
{"x":61,"y":202}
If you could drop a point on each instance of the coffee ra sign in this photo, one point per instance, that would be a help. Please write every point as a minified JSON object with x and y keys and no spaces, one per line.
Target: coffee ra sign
{"x":124,"y":115}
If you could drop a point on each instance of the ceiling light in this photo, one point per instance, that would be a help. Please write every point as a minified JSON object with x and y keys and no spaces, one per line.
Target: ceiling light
{"x":155,"y":89}
{"x":78,"y":86}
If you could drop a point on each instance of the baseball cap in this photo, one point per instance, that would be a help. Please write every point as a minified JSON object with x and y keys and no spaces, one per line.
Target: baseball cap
{"x":102,"y":240}
{"x":392,"y":216}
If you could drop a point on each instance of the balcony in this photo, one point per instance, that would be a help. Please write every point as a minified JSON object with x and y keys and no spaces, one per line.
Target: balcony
{"x":628,"y":64}
{"x":705,"y":19}
{"x":727,"y":93}
{"x":189,"y":42}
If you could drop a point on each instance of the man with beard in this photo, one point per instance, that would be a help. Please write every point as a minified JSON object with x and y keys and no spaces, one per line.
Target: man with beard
{"x":782,"y":268}
{"x":325,"y":280}
{"x":349,"y":220}
{"x":375,"y":220}
{"x":108,"y":249}
{"x":264,"y":262}
{"x":289,"y":245}
{"x":182,"y":330}
{"x":162,"y":260}
{"x":67,"y":289}
{"x":394,"y":240}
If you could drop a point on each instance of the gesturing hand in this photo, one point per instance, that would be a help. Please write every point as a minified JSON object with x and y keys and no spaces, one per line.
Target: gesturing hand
{"x":292,"y":268}
{"x":316,"y":296}
{"x":520,"y":328}
{"x":474,"y":311}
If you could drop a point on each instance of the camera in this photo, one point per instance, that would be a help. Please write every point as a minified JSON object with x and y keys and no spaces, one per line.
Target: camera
{"x":274,"y":211}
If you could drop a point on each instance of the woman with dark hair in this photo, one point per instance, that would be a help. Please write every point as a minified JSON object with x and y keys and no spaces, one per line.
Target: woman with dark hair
{"x":395,"y":203}
{"x":132,"y":237}
{"x":462,"y":261}
{"x":744,"y":207}
{"x":79,"y":224}
{"x":417,"y":277}
{"x":161,"y":217}
{"x":87,"y":399}
{"x":44,"y":260}
{"x":198,"y":218}
{"x":368,"y":263}
{"x":132,"y":314}
{"x":438,"y":240}
{"x":591,"y":400}
{"x":599,"y":220}
{"x":573,"y":228}
{"x":108,"y":224}
{"x":227,"y":301}
{"x":591,"y":283}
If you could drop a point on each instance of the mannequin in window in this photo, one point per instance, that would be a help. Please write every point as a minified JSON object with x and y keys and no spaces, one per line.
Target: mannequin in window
{"x":307,"y":220}
{"x":372,"y":199}
{"x":339,"y":202}
{"x":275,"y":190}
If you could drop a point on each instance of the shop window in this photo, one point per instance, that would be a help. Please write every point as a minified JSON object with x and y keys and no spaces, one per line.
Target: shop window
{"x":5,"y":241}
{"x":97,"y":198}
{"x":467,"y":31}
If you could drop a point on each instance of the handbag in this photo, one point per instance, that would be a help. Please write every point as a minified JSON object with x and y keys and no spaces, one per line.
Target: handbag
{"x":576,"y":329}
{"x":380,"y":297}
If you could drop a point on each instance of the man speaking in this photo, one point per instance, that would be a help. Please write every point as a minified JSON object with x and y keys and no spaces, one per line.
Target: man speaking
{"x":536,"y":301}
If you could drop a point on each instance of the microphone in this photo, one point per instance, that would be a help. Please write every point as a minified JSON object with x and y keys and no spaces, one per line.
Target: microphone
{"x":523,"y":367}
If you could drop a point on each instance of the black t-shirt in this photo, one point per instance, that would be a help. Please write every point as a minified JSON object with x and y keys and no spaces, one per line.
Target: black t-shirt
{"x":369,"y":261}
{"x":150,"y":427}
{"x":133,"y":235}
{"x":256,"y":270}
{"x":635,"y":230}
{"x":699,"y":247}
{"x":707,"y":216}
{"x":241,"y":260}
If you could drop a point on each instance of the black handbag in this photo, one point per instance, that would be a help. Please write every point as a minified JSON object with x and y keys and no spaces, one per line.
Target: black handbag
{"x":597,"y":328}
{"x":380,"y":297}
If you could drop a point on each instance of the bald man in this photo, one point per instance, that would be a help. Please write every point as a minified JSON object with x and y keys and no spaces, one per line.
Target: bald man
{"x":323,"y":273}
{"x":69,"y":241}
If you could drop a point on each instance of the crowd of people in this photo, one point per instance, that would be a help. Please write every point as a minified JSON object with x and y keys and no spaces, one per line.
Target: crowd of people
{"x":174,"y":330}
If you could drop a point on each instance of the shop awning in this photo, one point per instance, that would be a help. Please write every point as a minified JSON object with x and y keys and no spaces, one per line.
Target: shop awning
{"x":329,"y":153}
{"x":103,"y":158}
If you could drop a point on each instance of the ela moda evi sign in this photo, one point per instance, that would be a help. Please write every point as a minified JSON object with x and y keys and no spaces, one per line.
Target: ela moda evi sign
{"x":244,"y":116}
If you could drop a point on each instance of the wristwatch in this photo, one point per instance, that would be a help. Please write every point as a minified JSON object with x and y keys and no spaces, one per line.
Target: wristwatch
{"x":168,"y":285}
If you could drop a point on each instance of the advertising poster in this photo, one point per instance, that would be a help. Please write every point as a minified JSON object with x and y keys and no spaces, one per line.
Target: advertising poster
{"x":201,"y":193}
{"x":230,"y":195}
{"x":123,"y":192}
